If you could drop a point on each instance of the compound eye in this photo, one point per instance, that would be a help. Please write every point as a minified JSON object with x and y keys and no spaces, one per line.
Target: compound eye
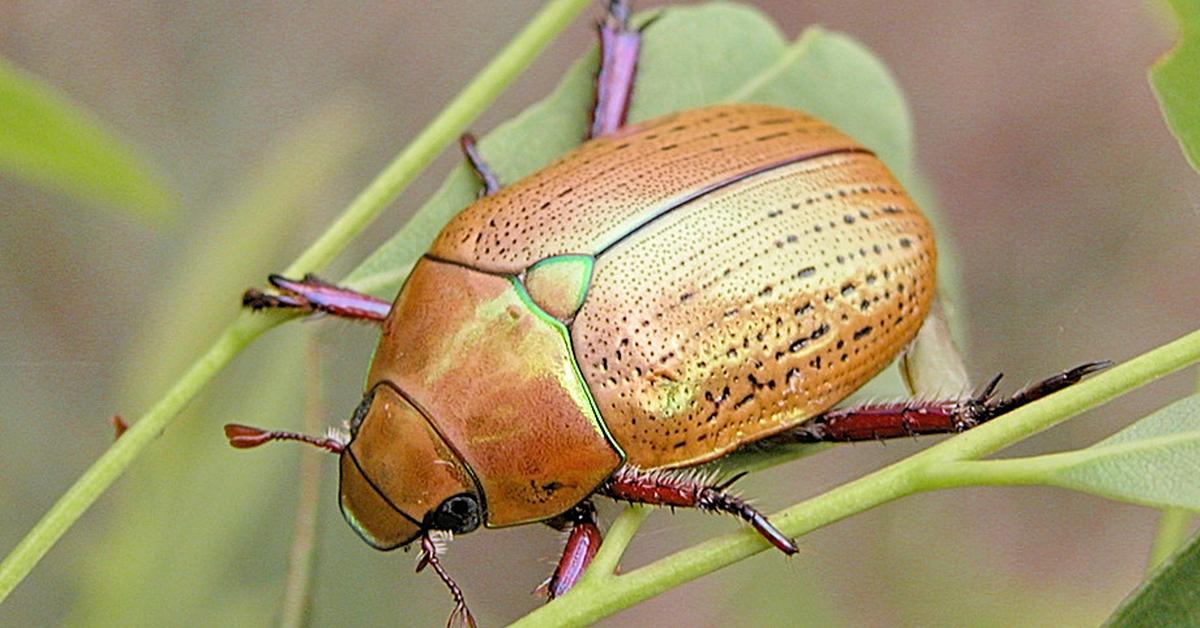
{"x":459,"y":514}
{"x":360,"y":413}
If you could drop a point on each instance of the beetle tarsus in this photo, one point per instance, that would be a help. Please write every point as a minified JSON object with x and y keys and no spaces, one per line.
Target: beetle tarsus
{"x":913,"y":418}
{"x":583,"y":540}
{"x":619,"y":48}
{"x":461,"y":615}
{"x":312,"y":295}
{"x":470,"y":149}
{"x":1050,"y":385}
{"x":673,"y":490}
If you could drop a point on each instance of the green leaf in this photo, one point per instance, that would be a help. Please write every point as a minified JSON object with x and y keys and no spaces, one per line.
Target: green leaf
{"x":1176,"y":81}
{"x":1171,"y":597}
{"x":837,"y":79}
{"x":691,"y":56}
{"x":1154,"y":461}
{"x":49,"y":141}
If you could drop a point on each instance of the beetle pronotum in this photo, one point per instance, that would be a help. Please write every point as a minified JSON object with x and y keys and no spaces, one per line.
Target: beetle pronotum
{"x":666,"y":293}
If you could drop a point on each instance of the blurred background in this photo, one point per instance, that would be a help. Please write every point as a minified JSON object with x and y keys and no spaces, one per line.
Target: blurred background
{"x":1071,"y":208}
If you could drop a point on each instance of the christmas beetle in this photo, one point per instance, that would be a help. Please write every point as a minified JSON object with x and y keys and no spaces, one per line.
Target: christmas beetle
{"x":665,"y":294}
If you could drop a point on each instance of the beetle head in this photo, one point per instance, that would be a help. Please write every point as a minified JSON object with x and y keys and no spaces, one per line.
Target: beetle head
{"x":399,"y":479}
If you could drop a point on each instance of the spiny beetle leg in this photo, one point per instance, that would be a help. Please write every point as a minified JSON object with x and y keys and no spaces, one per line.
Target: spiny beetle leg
{"x":1052,"y":384}
{"x":583,"y":540}
{"x":673,"y":489}
{"x":313,"y":295}
{"x":911,"y":418}
{"x":470,"y":149}
{"x":619,"y":47}
{"x":461,"y":615}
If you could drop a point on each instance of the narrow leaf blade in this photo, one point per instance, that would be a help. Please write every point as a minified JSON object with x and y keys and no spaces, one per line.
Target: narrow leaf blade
{"x":1176,"y":81}
{"x":49,"y":141}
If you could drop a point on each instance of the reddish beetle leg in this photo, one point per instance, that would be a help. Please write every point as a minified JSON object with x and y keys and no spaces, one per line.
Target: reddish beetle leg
{"x":619,"y":48}
{"x":664,"y":488}
{"x":912,"y":418}
{"x":429,"y":558}
{"x":491,"y":183}
{"x":583,"y":541}
{"x":313,"y":295}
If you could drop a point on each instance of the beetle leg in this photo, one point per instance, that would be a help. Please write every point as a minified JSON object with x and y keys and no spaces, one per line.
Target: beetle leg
{"x":619,"y":47}
{"x":912,"y":418}
{"x":672,"y":489}
{"x":582,"y":543}
{"x":491,"y":183}
{"x":461,"y":615}
{"x":313,"y":295}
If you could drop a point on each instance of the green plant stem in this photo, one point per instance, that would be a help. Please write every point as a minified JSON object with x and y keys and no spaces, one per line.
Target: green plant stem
{"x":297,"y":588}
{"x":444,"y":129}
{"x":1173,"y":525}
{"x":594,"y":598}
{"x":620,"y":534}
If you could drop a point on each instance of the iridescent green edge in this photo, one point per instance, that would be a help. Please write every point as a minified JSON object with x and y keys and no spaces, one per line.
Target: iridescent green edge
{"x":565,"y":334}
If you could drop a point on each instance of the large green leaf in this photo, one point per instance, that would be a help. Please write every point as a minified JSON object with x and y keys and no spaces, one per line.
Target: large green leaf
{"x":691,"y":56}
{"x":1176,"y":80}
{"x":835,"y":78}
{"x":47,"y":140}
{"x":1171,"y":597}
{"x":1154,"y":461}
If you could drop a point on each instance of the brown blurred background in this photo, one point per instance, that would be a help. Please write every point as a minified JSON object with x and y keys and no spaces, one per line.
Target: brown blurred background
{"x":1072,"y":210}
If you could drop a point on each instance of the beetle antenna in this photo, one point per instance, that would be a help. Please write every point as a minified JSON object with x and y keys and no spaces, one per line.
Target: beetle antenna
{"x":429,"y":558}
{"x":246,"y":437}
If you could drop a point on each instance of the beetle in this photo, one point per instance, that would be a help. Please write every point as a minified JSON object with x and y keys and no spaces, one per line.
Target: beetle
{"x":665,"y":294}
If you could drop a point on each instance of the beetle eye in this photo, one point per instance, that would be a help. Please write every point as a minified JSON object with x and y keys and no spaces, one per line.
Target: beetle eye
{"x":458,"y":514}
{"x":360,"y":413}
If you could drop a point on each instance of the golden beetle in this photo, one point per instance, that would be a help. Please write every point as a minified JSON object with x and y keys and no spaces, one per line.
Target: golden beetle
{"x":666,"y":293}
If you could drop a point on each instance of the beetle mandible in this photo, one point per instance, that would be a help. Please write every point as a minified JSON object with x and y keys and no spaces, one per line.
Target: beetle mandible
{"x":664,"y":294}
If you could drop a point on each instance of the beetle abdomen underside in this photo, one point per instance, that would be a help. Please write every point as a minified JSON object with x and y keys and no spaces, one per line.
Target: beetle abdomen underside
{"x":753,"y":266}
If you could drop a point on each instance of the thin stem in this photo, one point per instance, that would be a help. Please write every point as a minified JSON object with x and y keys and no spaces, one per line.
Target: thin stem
{"x":589,"y":601}
{"x":1173,"y":526}
{"x":444,"y":129}
{"x":939,"y":475}
{"x":297,"y":589}
{"x":620,"y":534}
